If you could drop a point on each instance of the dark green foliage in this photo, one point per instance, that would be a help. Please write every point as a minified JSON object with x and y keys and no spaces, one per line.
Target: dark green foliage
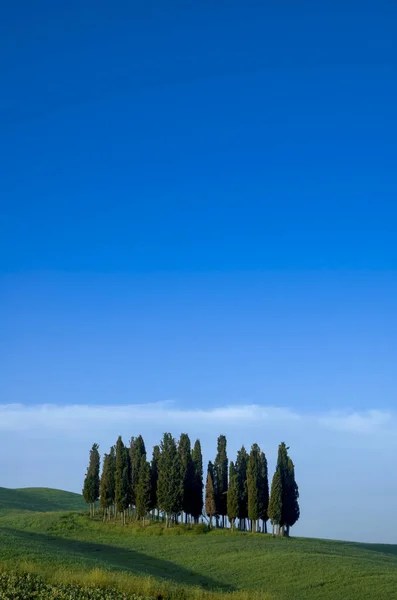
{"x":27,"y":586}
{"x":291,"y":511}
{"x":254,"y":483}
{"x":169,"y":484}
{"x":122,"y":478}
{"x":107,"y":484}
{"x":232,"y":495}
{"x":137,"y":450}
{"x":176,"y":484}
{"x":105,"y":492}
{"x":275,"y":502}
{"x":220,"y":478}
{"x":154,"y":475}
{"x":210,"y":506}
{"x":91,"y":481}
{"x":185,"y":452}
{"x":263,"y":490}
{"x":143,"y":489}
{"x":197,"y":500}
{"x":241,"y":468}
{"x":112,"y":474}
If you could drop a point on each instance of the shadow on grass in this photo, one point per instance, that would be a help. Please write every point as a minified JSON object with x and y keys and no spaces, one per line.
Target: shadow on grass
{"x":113,"y":557}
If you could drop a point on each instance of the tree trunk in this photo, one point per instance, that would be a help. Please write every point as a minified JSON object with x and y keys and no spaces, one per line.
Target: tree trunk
{"x":264,"y":526}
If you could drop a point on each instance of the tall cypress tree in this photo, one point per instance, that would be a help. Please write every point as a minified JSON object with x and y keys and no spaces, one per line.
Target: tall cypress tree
{"x":232,"y":496}
{"x":91,"y":481}
{"x":264,"y":492}
{"x":137,"y":450}
{"x":291,"y":511}
{"x":104,"y":490}
{"x":169,"y":484}
{"x":275,"y":502}
{"x":220,"y":479}
{"x":154,"y":475}
{"x":254,"y":485}
{"x":210,"y":506}
{"x":197,"y":457}
{"x":143,"y":489}
{"x":122,"y":480}
{"x":282,"y":467}
{"x":112,"y":478}
{"x":187,"y":474}
{"x":241,"y":468}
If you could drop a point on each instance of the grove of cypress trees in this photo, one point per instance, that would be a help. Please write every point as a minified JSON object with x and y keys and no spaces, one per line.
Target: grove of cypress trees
{"x":143,"y":489}
{"x":220,"y":479}
{"x":91,"y":481}
{"x":253,"y":486}
{"x":197,"y":504}
{"x":264,"y":492}
{"x":210,"y":506}
{"x":185,"y":452}
{"x":173,"y":482}
{"x":169,"y":484}
{"x":275,"y":502}
{"x":154,"y":475}
{"x":241,"y":468}
{"x":232,"y":496}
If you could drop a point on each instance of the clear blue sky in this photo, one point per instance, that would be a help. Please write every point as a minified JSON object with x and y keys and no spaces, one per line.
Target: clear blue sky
{"x":198,"y":205}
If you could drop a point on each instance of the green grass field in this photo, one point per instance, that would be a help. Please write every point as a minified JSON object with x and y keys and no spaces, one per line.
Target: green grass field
{"x":40,"y":500}
{"x":242,"y":565}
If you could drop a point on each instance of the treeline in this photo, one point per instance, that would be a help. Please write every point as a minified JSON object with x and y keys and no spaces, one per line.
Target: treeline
{"x":171,"y":486}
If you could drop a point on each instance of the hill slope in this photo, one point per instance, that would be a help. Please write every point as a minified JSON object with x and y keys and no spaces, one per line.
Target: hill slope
{"x":40,"y":500}
{"x":285,"y":569}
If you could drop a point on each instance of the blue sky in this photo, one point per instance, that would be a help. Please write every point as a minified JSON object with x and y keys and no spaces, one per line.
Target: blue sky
{"x":198,"y":232}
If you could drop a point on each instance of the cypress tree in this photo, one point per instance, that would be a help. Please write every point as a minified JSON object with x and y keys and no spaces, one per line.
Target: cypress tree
{"x":264,"y":492}
{"x":254,"y":485}
{"x":169,"y":484}
{"x":122,"y":480}
{"x":241,"y":468}
{"x":291,"y":511}
{"x":220,"y":479}
{"x":232,"y":495}
{"x":185,"y":452}
{"x":91,"y":481}
{"x":143,"y":489}
{"x":197,"y":458}
{"x":210,"y":507}
{"x":137,"y":450}
{"x":105,"y":499}
{"x":112,"y":478}
{"x":282,"y":467}
{"x":275,"y":502}
{"x":154,"y":475}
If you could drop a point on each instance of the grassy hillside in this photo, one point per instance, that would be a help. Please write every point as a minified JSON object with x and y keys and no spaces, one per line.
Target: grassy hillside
{"x":275,"y":569}
{"x":39,"y":500}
